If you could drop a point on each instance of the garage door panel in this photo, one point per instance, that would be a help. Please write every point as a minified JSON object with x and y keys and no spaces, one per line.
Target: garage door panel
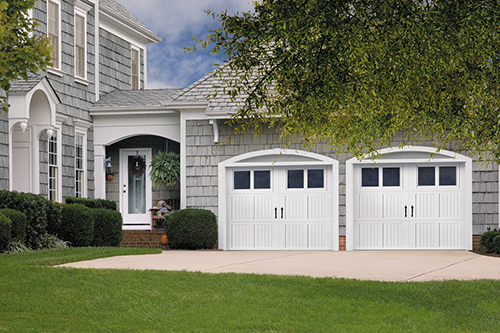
{"x":426,"y":235}
{"x":426,"y":205}
{"x":393,"y":205}
{"x":317,"y":235}
{"x":370,"y":235}
{"x":295,"y":236}
{"x":263,"y":235}
{"x":451,"y":205}
{"x":242,"y":208}
{"x":318,"y":207}
{"x":242,"y":236}
{"x":296,"y":207}
{"x":393,"y":235}
{"x":369,"y":206}
{"x":264,"y":208}
{"x":449,"y":235}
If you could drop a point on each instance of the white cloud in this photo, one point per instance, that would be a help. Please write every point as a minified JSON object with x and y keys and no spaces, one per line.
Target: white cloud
{"x":176,"y":22}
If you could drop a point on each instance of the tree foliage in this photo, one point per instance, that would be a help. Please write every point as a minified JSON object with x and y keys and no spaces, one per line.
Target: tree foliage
{"x":353,"y":73}
{"x":21,"y":50}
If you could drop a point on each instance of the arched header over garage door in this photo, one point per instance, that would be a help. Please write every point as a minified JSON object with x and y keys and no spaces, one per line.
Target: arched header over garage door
{"x":409,"y":198}
{"x":278,"y":199}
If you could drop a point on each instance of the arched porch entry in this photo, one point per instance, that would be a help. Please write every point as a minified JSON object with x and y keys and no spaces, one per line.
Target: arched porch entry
{"x":408,"y":199}
{"x":131,"y":186}
{"x":32,"y":116}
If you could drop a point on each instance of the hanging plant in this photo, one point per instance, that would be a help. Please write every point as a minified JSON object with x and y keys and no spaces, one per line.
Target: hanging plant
{"x":165,"y":169}
{"x":136,"y":165}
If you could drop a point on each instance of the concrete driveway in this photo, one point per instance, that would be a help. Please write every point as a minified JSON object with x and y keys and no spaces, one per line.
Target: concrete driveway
{"x":400,"y":266}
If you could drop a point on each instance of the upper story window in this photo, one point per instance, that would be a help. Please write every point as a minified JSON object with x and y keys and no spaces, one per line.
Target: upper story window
{"x":135,"y":69}
{"x":54,"y":30}
{"x":80,"y":46}
{"x":81,"y":10}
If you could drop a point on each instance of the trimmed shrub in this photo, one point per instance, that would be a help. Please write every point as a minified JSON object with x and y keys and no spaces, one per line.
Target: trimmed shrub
{"x":486,"y":240}
{"x":41,"y":214}
{"x":192,"y":229}
{"x":5,"y":225}
{"x":92,"y":203}
{"x":107,"y":227}
{"x":495,"y":244}
{"x":77,"y":225}
{"x":18,"y":229}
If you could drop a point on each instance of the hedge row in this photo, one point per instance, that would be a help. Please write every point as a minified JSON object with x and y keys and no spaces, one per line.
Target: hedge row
{"x":83,"y":226}
{"x":490,"y":241}
{"x":92,"y":203}
{"x":42,"y":215}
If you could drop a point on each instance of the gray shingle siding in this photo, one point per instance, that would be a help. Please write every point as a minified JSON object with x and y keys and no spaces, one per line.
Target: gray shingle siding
{"x":115,"y":63}
{"x":203,"y":157}
{"x":76,"y":98}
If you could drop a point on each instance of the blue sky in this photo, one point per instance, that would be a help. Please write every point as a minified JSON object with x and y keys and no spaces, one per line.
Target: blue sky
{"x":176,"y":22}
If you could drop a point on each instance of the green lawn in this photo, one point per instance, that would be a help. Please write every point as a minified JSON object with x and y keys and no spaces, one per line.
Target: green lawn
{"x":35,"y":297}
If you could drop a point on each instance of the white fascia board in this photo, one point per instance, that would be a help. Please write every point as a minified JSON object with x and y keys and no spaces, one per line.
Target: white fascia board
{"x":125,"y":29}
{"x":185,"y":105}
{"x":130,"y":111}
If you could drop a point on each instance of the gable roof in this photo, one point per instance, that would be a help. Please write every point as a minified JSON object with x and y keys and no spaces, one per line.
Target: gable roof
{"x":21,"y":86}
{"x":135,"y":99}
{"x":206,"y":86}
{"x":115,"y":9}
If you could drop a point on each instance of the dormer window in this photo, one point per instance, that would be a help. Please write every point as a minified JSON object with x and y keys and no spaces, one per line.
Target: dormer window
{"x":54,"y":30}
{"x":135,"y":69}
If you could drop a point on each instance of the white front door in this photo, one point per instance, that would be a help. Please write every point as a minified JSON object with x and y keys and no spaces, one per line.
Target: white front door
{"x":280,"y":208}
{"x":409,"y":206}
{"x":135,"y":188}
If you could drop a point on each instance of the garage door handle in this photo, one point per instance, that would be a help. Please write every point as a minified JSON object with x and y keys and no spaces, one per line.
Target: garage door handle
{"x":275,"y":212}
{"x":281,"y":212}
{"x":406,"y":211}
{"x":411,"y":211}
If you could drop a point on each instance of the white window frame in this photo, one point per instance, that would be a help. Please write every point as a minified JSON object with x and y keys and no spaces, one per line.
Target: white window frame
{"x":83,"y":168}
{"x":57,"y":166}
{"x":81,"y":10}
{"x":138,"y":67}
{"x":78,"y":14}
{"x":57,"y":64}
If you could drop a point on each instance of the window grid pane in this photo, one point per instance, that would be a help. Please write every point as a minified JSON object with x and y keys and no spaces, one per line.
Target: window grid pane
{"x":390,"y":176}
{"x":315,"y":178}
{"x":295,"y":179}
{"x":80,"y":45}
{"x":426,"y":176}
{"x":53,"y":167}
{"x":241,"y":180}
{"x":369,"y":177}
{"x":448,"y":176}
{"x":135,"y":69}
{"x":262,"y":179}
{"x":53,"y":31}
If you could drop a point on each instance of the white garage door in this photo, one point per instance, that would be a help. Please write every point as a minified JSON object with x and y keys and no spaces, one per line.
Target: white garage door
{"x":273,"y":208}
{"x":409,"y":206}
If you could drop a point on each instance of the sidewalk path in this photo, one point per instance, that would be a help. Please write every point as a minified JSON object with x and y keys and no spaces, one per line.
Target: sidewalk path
{"x":364,"y":265}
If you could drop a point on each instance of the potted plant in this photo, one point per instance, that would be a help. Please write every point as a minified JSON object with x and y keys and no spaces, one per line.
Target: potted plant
{"x":165,"y":169}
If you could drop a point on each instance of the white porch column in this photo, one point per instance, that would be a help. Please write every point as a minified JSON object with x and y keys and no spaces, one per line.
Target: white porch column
{"x":99,"y":172}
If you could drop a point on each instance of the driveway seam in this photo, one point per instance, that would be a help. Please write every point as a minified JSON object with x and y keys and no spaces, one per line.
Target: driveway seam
{"x":436,"y":270}
{"x":251,"y":261}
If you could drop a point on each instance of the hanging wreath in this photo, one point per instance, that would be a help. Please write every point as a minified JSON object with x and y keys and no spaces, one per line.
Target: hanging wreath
{"x":136,"y":165}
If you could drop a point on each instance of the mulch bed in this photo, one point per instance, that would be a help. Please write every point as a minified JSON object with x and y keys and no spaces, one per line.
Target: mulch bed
{"x":484,"y":253}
